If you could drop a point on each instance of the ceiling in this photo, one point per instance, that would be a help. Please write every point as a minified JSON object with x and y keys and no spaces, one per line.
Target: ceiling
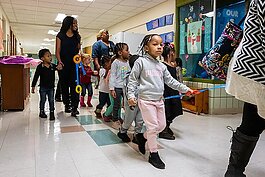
{"x":31,"y":19}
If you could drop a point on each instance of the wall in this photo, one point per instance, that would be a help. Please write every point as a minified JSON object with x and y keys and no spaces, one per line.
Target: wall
{"x":7,"y":27}
{"x":137,"y":23}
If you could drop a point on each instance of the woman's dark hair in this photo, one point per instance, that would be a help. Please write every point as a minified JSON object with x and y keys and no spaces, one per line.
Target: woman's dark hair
{"x":119,"y":47}
{"x":106,"y":59}
{"x":179,"y":62}
{"x":144,"y":42}
{"x":66,"y":25}
{"x":132,"y":59}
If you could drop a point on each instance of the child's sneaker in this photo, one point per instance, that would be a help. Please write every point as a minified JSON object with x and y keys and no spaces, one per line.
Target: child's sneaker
{"x":106,"y":118}
{"x":98,"y":113}
{"x":141,"y":142}
{"x":124,"y":137}
{"x":116,"y":125}
{"x":52,"y":116}
{"x":155,"y":160}
{"x":42,"y":114}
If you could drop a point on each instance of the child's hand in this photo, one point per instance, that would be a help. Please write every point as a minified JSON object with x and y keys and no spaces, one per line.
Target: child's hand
{"x":192,"y":92}
{"x":95,"y":72}
{"x":113,"y":93}
{"x":132,"y":102}
{"x":32,"y":89}
{"x":60,"y":66}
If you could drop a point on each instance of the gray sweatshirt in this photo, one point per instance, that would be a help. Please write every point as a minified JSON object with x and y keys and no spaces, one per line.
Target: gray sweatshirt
{"x":118,"y":72}
{"x":151,"y":74}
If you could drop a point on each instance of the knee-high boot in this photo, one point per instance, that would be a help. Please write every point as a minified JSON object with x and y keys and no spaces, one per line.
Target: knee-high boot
{"x":241,"y":150}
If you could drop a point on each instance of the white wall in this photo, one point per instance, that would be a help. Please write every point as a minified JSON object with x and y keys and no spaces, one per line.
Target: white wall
{"x":7,"y":27}
{"x":137,"y":24}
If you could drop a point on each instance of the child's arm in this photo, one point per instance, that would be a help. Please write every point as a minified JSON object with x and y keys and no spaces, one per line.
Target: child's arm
{"x":35,"y":78}
{"x":134,"y":82}
{"x":174,"y":84}
{"x":113,"y":73}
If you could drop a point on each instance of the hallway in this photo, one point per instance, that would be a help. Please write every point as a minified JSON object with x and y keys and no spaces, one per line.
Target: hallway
{"x":86,"y":147}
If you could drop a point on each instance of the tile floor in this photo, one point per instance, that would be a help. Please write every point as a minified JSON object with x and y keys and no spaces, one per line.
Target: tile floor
{"x":87,"y":147}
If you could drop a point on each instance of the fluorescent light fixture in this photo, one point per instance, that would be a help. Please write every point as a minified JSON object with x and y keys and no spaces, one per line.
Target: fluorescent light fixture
{"x":45,"y":44}
{"x":85,"y":0}
{"x":52,"y":32}
{"x":48,"y":40}
{"x":61,"y":16}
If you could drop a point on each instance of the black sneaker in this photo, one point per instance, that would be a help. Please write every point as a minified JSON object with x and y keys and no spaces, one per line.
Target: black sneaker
{"x":170,"y":131}
{"x":141,"y":142}
{"x":52,"y":116}
{"x":67,"y":109}
{"x":42,"y":114}
{"x":134,"y":140}
{"x":124,"y":137}
{"x":155,"y":160}
{"x":165,"y":135}
{"x":74,"y":113}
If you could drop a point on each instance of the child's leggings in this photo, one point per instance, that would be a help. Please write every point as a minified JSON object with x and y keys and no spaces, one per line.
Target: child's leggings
{"x":153,"y":113}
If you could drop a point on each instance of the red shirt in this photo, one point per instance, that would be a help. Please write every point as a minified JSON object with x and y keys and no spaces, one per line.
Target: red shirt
{"x":85,"y":79}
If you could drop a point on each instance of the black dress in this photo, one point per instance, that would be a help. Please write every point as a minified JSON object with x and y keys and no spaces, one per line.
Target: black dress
{"x":173,"y":107}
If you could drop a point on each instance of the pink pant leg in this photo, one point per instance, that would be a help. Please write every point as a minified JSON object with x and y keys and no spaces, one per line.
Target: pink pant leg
{"x":153,"y":113}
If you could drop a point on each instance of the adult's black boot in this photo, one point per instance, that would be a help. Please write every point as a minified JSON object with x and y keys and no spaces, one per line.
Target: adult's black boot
{"x":241,"y":150}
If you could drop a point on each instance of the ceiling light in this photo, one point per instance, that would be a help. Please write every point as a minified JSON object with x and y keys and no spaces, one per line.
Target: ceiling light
{"x":85,"y":0}
{"x":48,"y":40}
{"x":61,"y":16}
{"x":52,"y":32}
{"x":45,"y":44}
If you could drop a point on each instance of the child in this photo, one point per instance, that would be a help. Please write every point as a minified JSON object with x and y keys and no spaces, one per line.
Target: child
{"x":131,"y":113}
{"x":119,"y":68}
{"x":173,"y":107}
{"x":149,"y":75}
{"x":103,"y":86}
{"x":179,"y":70}
{"x":46,"y":72}
{"x":85,"y":81}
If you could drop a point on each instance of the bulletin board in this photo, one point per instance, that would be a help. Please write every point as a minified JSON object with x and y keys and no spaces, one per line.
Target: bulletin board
{"x":195,"y":31}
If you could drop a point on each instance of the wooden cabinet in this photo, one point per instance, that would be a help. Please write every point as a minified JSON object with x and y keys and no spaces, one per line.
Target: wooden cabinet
{"x":198,"y":103}
{"x":15,"y":85}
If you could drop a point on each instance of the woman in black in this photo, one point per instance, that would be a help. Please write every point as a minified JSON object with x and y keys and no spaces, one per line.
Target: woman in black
{"x":173,"y":107}
{"x":67,"y":46}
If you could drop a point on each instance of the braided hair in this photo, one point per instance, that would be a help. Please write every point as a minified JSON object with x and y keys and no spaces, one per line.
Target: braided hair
{"x":144,"y":42}
{"x":119,"y":47}
{"x":167,"y":49}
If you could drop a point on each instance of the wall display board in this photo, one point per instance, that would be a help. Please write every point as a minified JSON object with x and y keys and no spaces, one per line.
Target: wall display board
{"x":195,"y":27}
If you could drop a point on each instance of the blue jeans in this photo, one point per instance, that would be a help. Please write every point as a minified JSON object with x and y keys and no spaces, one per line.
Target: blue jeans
{"x":88,"y":87}
{"x":47,"y":92}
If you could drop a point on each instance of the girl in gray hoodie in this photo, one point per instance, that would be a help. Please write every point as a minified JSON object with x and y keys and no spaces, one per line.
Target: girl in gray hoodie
{"x":149,"y":75}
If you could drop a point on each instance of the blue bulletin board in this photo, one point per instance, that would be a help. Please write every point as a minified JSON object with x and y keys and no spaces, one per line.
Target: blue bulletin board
{"x":195,"y":28}
{"x":233,"y":12}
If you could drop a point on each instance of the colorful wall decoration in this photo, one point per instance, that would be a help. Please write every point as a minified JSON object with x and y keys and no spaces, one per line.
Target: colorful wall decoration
{"x":160,"y":22}
{"x":195,"y":35}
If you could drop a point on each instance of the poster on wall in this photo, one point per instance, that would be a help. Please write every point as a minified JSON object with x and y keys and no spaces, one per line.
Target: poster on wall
{"x":162,"y":21}
{"x":182,"y":35}
{"x":207,"y":34}
{"x":194,"y":32}
{"x":155,"y":23}
{"x":234,"y":13}
{"x":170,"y":37}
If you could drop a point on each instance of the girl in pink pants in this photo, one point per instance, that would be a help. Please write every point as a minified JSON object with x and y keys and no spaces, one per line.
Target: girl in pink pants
{"x":148,"y":77}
